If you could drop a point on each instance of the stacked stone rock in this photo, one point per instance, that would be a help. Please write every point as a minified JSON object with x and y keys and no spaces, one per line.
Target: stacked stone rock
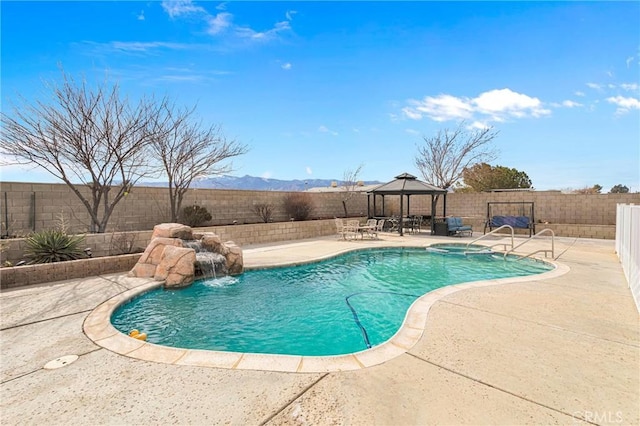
{"x":167,"y":259}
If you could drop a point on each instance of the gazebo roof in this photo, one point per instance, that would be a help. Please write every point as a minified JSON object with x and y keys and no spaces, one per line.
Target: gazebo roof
{"x":406,"y":184}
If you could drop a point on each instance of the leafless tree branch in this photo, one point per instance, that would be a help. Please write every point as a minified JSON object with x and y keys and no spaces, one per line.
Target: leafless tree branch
{"x":187,"y":150}
{"x":87,"y":137}
{"x":443,"y":158}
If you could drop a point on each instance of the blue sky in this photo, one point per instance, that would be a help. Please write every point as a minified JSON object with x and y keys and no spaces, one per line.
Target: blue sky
{"x":318,"y":88}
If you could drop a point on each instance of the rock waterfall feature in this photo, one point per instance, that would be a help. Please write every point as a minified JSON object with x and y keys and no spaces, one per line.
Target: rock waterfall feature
{"x":177,"y":256}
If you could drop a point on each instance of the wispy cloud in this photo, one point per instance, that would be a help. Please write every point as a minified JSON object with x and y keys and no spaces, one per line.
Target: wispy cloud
{"x":571,"y":104}
{"x":579,"y":93}
{"x":289,"y":14}
{"x":309,"y":171}
{"x":137,"y":47}
{"x":494,"y":105}
{"x":176,"y":8}
{"x":219,"y":23}
{"x":249,"y":33}
{"x":594,"y":86}
{"x":624,"y":104}
{"x":629,"y":61}
{"x":324,"y":129}
{"x":286,"y":66}
{"x":155,"y":76}
{"x":140,"y":16}
{"x":630,"y":87}
{"x":222,"y":23}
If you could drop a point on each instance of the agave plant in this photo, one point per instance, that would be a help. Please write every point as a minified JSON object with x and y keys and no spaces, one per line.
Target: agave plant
{"x":53,"y":245}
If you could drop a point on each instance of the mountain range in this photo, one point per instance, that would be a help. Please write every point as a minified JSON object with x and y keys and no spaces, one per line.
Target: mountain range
{"x":258,"y":183}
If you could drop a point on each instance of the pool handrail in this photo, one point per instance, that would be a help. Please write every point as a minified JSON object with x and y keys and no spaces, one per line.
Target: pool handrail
{"x":545,"y":251}
{"x":493,"y":232}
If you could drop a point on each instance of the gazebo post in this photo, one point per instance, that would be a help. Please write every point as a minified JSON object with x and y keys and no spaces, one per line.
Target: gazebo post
{"x":369,"y":206}
{"x":433,"y":214}
{"x":400,"y":224}
{"x":444,"y":205}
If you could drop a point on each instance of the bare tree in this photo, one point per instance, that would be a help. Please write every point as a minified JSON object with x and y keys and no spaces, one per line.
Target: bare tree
{"x":88,"y":137}
{"x":188,"y":150}
{"x":349,"y":184}
{"x":444,"y":157}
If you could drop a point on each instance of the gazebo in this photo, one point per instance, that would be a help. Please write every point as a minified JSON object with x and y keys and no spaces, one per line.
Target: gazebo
{"x":406,"y":184}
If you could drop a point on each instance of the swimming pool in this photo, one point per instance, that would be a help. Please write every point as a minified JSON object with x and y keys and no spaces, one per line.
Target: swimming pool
{"x":337,"y":306}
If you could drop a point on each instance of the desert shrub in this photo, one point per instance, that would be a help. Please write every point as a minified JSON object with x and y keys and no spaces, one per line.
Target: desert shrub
{"x":194,"y":216}
{"x":122,"y":243}
{"x":53,"y":245}
{"x":264,"y":211}
{"x":298,"y":205}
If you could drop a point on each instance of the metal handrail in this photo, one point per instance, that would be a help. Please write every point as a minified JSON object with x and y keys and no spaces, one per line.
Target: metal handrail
{"x":492,"y":232}
{"x":537,"y":251}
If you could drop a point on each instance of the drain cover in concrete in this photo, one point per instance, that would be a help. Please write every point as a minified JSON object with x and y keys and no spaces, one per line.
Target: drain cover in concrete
{"x":60,"y":362}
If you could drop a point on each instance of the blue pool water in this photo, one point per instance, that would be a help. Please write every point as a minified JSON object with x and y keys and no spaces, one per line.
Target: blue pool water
{"x":337,"y":306}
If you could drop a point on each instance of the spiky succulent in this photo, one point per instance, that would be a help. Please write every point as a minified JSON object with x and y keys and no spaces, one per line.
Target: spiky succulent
{"x":53,"y":245}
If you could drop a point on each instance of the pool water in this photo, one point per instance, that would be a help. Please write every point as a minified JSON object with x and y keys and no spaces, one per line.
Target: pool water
{"x":337,"y":306}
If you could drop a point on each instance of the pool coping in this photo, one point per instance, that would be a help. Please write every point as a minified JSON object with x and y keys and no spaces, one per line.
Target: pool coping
{"x":97,"y":327}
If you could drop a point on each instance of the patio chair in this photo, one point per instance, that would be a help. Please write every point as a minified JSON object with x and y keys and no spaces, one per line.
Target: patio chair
{"x":341,"y":227}
{"x":352,"y":229}
{"x":455,"y":227}
{"x":417,"y":223}
{"x":370,"y":228}
{"x":380,"y":225}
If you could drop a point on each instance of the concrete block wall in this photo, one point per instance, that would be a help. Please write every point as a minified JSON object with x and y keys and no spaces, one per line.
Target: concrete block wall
{"x":243,"y":235}
{"x":46,"y":273}
{"x":145,"y":207}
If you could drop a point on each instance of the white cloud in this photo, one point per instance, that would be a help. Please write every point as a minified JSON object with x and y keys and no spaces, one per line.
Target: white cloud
{"x":219,"y":23}
{"x":439,"y":108}
{"x":499,"y":105}
{"x":289,"y":14}
{"x":222,"y":22}
{"x":141,"y":16}
{"x":629,"y":61}
{"x":177,"y":8}
{"x":478,"y":125}
{"x":286,"y":66}
{"x":630,"y":87}
{"x":309,"y":171}
{"x":266,"y":175}
{"x":144,"y":47}
{"x":246,"y":32}
{"x":624,"y":104}
{"x":579,"y":93}
{"x":505,"y":102}
{"x":412,"y":131}
{"x":571,"y":104}
{"x":324,"y":129}
{"x":594,"y":86}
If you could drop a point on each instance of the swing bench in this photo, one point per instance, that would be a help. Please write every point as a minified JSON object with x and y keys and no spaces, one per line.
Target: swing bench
{"x":517,"y":214}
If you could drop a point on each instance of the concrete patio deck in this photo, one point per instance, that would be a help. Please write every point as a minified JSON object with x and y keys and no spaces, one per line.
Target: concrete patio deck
{"x":564,"y":350}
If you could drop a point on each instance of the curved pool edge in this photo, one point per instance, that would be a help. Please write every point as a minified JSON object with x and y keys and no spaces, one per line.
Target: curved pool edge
{"x":98,"y":328}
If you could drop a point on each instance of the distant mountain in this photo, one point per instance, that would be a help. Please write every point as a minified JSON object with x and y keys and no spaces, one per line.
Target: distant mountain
{"x":258,"y":184}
